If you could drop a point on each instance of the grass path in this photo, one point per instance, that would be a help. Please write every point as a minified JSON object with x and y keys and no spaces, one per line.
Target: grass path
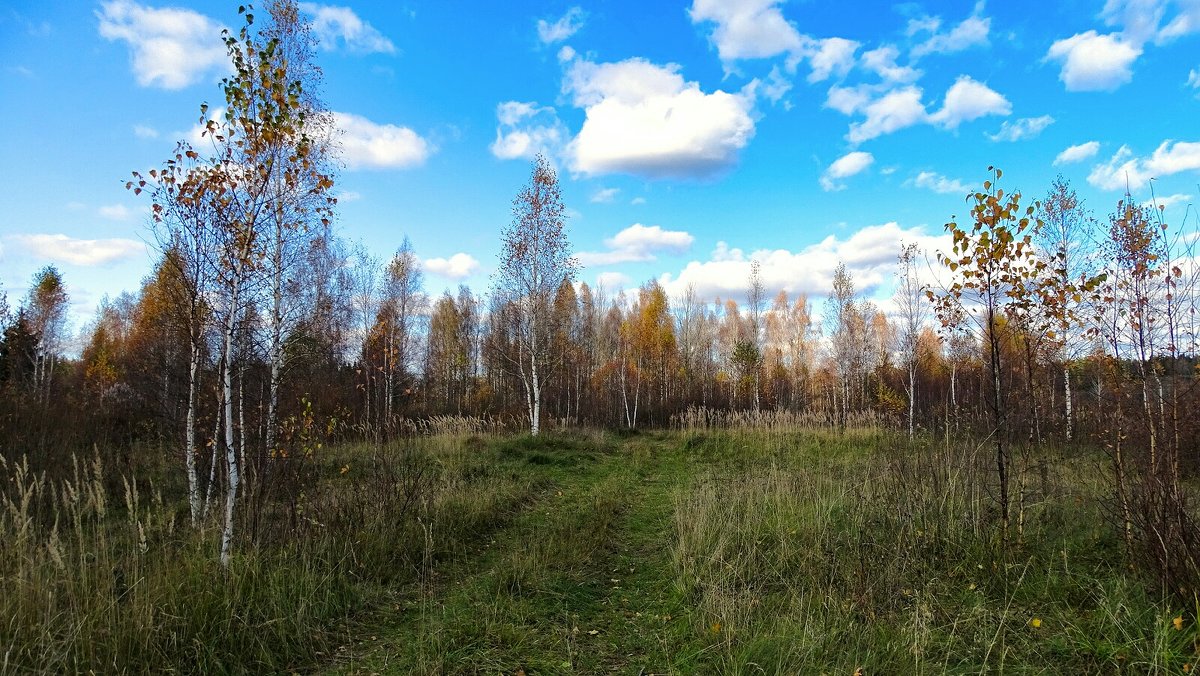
{"x":580,"y":581}
{"x":793,"y":557}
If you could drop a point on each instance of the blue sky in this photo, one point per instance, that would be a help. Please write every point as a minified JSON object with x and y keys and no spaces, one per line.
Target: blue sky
{"x":691,"y":137}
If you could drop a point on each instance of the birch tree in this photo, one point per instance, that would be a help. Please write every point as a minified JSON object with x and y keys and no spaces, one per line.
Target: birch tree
{"x":299,"y":184}
{"x":993,"y":258}
{"x":1064,"y":239}
{"x":755,"y":296}
{"x":535,"y":259}
{"x":912,"y":308}
{"x":46,"y":310}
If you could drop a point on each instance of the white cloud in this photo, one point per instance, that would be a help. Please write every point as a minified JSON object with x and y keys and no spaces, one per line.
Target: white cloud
{"x":849,"y":100}
{"x":638,"y":200}
{"x":1024,"y":128}
{"x":526,"y":129}
{"x":747,"y":29}
{"x":604,"y":195}
{"x":1184,"y":23}
{"x":1094,"y":62}
{"x":1194,"y":78}
{"x":169,"y":47}
{"x":557,"y":31}
{"x":612,"y":281}
{"x":940,"y":184}
{"x":144,"y":131}
{"x":458,"y":266}
{"x":637,"y":243}
{"x":1138,"y":19}
{"x":869,"y":254}
{"x":757,"y":29}
{"x":1168,"y":201}
{"x":369,"y":145}
{"x":830,"y":56}
{"x":1122,"y":171}
{"x":888,"y":108}
{"x":844,"y":167}
{"x":344,"y":196}
{"x":116,"y":212}
{"x":973,"y":31}
{"x":968,"y":100}
{"x":775,"y":86}
{"x":1078,"y":153}
{"x":891,"y":112}
{"x":1125,"y":170}
{"x":644,"y":119}
{"x":882,"y":62}
{"x":81,"y":252}
{"x":336,"y":26}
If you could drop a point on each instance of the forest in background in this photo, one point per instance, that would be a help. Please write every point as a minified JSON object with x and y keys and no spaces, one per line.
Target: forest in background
{"x":263,"y":337}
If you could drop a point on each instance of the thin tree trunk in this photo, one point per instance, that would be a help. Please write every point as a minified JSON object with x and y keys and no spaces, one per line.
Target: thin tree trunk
{"x":231,"y":457}
{"x":912,"y":399}
{"x":1067,"y":402}
{"x":190,"y":448}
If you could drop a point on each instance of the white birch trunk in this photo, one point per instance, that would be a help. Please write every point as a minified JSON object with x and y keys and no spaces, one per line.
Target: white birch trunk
{"x":1067,"y":401}
{"x":231,"y":457}
{"x":912,"y":399}
{"x":190,"y":448}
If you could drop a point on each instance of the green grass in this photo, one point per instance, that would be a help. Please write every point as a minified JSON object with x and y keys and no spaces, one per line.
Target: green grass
{"x":750,"y":553}
{"x":736,"y":551}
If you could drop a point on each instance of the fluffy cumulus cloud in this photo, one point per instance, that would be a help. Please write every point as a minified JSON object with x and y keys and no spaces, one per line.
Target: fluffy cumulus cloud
{"x":971,"y":32}
{"x":869,"y":255}
{"x":830,"y":57}
{"x":747,"y":29}
{"x":645,"y":119}
{"x":934,"y":181}
{"x":458,"y":266}
{"x":551,"y":32}
{"x":844,"y":167}
{"x":896,"y":110}
{"x":1126,"y":170}
{"x":1094,"y":62}
{"x":882,"y":62}
{"x":81,"y":252}
{"x":341,"y":27}
{"x":889,"y":108}
{"x":525,"y":129}
{"x":369,"y":145}
{"x":968,"y":100}
{"x":169,"y":47}
{"x":757,"y":29}
{"x":637,"y":243}
{"x":1022,"y":129}
{"x":1078,"y":153}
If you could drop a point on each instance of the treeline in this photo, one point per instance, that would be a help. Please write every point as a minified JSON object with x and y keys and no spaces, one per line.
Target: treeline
{"x":359,"y":344}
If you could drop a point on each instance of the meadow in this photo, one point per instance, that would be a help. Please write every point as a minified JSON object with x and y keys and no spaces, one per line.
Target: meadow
{"x":702,"y":549}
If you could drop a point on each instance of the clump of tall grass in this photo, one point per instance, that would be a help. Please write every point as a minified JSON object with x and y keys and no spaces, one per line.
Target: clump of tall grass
{"x":100,"y":571}
{"x":889,"y":559}
{"x":702,"y":419}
